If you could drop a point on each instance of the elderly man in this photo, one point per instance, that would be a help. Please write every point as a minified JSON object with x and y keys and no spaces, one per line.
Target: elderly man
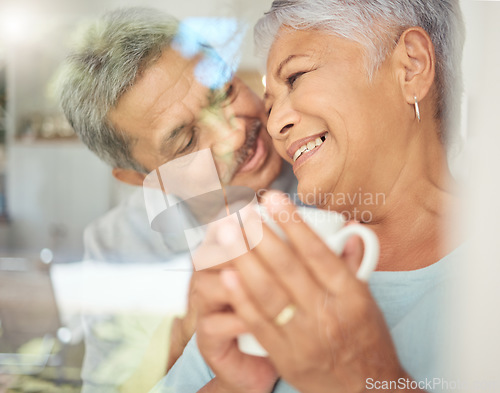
{"x":139,"y":96}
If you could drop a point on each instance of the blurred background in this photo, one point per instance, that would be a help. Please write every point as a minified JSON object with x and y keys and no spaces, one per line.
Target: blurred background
{"x":52,"y":187}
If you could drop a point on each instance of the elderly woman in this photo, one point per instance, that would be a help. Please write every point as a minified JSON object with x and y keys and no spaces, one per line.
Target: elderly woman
{"x":362,"y":97}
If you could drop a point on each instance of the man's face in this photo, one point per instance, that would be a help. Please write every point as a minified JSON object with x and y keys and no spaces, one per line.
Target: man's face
{"x":168,"y":113}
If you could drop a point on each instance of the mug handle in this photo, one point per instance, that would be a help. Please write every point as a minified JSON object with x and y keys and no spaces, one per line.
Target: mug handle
{"x":370,"y":240}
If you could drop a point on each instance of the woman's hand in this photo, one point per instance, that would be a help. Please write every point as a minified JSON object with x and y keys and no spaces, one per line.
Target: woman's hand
{"x":337,"y":336}
{"x":217,"y":329}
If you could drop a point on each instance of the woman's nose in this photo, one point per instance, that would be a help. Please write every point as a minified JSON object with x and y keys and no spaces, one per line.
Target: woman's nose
{"x":282,"y":118}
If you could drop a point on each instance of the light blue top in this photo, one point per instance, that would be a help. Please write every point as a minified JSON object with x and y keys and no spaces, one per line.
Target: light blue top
{"x":412,"y":303}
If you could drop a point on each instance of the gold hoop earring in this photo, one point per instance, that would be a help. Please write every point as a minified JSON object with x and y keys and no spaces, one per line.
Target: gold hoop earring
{"x":417,"y":109}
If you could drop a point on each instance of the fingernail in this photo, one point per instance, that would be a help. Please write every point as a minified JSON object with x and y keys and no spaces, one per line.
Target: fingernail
{"x":352,"y":246}
{"x":230,"y":279}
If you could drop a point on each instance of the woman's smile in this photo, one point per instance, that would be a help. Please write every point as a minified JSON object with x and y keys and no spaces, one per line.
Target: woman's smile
{"x":300,"y":151}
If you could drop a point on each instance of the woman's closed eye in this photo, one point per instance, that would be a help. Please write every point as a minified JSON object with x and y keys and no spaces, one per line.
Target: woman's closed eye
{"x":290,"y":81}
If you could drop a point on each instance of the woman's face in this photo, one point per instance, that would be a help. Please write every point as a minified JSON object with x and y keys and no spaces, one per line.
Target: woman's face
{"x":343,"y":133}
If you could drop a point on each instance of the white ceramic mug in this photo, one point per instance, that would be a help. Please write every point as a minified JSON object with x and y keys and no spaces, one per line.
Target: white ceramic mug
{"x":330,"y":226}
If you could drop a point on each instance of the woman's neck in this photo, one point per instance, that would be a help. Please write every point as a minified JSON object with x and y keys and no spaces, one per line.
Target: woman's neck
{"x":414,"y":225}
{"x":415,"y":236}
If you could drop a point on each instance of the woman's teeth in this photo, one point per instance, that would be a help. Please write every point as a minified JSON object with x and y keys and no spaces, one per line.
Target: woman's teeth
{"x":308,"y":147}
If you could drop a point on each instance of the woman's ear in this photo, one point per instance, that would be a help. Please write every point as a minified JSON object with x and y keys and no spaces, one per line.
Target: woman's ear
{"x":128,"y":176}
{"x":415,"y":60}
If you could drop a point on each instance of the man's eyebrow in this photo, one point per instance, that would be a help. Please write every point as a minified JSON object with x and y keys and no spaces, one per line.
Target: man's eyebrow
{"x":286,"y":61}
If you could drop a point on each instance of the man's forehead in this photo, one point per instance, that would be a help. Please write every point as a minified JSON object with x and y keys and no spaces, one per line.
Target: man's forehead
{"x":161,"y":87}
{"x":170,"y":79}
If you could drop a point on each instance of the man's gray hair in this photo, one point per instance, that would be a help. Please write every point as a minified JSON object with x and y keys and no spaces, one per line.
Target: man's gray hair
{"x":113,"y":53}
{"x":377,"y":25}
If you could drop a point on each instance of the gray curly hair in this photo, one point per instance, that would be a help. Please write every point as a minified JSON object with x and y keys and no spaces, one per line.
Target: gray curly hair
{"x":113,"y":53}
{"x":377,"y":25}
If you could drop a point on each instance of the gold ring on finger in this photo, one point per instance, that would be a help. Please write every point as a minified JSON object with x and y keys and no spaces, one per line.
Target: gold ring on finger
{"x":285,"y":315}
